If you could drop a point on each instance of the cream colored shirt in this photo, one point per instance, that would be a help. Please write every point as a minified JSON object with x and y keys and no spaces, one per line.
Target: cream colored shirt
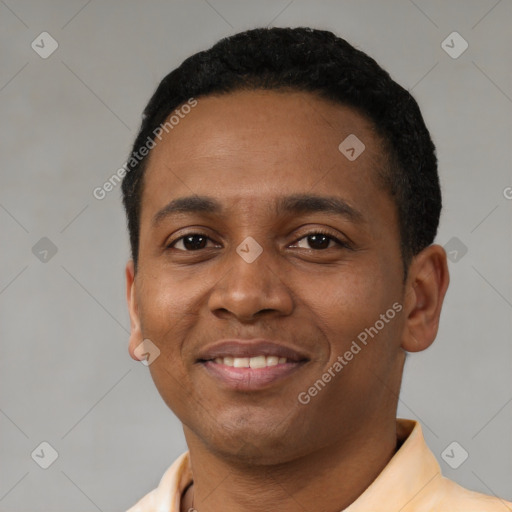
{"x":410,"y":482}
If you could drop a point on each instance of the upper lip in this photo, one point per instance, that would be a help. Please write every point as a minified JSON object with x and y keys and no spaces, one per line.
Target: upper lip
{"x":249,"y":348}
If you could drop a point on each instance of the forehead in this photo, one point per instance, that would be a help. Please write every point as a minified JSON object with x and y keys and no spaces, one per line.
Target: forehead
{"x":255,"y":145}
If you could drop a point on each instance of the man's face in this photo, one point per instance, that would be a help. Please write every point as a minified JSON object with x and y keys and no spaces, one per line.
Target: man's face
{"x":248,"y":151}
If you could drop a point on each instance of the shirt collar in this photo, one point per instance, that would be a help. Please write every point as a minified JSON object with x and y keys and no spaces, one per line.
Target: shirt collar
{"x":411,"y":471}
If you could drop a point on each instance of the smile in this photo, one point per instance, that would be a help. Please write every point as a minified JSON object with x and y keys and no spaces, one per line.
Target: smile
{"x":260,"y":361}
{"x":250,"y":373}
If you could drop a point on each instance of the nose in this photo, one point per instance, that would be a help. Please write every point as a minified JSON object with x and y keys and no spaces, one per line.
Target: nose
{"x":249,"y":287}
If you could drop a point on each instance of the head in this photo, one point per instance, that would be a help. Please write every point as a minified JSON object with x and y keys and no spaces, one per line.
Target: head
{"x":300,"y":150}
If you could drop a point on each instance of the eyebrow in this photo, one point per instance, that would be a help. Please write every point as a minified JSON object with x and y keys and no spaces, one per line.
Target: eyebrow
{"x":292,"y":204}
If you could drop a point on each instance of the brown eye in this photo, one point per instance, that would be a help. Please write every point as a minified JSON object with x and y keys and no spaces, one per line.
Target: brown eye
{"x":190,"y":242}
{"x":319,"y":240}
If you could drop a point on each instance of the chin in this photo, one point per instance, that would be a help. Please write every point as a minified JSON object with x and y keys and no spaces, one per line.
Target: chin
{"x":252,"y":453}
{"x":258,"y":443}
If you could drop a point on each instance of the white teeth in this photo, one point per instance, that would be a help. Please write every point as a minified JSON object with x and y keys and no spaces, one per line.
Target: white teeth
{"x":272,"y":360}
{"x":258,"y":362}
{"x":251,"y":362}
{"x":241,"y":362}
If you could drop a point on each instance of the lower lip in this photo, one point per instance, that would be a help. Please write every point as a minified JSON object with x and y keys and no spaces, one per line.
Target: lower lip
{"x":248,"y":379}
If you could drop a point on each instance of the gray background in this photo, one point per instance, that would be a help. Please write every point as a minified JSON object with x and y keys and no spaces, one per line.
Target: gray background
{"x":67,"y":125}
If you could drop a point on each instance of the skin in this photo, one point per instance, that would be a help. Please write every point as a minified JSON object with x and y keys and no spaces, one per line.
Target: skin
{"x":263,"y":450}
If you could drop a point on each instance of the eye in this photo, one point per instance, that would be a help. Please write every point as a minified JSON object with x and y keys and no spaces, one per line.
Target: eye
{"x":319,"y":240}
{"x":190,"y":242}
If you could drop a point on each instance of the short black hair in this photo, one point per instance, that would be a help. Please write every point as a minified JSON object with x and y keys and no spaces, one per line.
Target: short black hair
{"x":317,"y":61}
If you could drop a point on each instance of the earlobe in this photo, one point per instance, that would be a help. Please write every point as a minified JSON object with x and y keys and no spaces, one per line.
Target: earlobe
{"x":131,"y":297}
{"x":426,"y":287}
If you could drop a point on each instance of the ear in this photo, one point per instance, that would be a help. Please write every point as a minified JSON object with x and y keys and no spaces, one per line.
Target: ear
{"x":426,"y":285}
{"x":131,"y":297}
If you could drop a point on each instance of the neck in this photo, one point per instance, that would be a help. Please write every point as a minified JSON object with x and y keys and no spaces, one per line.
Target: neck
{"x":329,"y":479}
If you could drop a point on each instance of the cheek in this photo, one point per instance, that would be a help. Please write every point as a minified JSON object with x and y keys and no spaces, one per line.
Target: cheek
{"x":362,"y":346}
{"x":164,"y":320}
{"x":349,"y":302}
{"x":164,"y":300}
{"x":348,"y":310}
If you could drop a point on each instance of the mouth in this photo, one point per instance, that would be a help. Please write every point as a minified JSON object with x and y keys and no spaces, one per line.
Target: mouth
{"x":250,"y":365}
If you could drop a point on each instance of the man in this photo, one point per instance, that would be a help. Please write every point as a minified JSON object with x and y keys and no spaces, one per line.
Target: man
{"x":282,"y":200}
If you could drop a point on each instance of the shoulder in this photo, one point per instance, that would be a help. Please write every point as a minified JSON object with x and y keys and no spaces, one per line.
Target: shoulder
{"x":145,"y":504}
{"x":456,"y":498}
{"x":166,"y":496}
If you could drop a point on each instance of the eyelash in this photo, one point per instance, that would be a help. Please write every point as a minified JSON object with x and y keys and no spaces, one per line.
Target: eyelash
{"x":341,"y":244}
